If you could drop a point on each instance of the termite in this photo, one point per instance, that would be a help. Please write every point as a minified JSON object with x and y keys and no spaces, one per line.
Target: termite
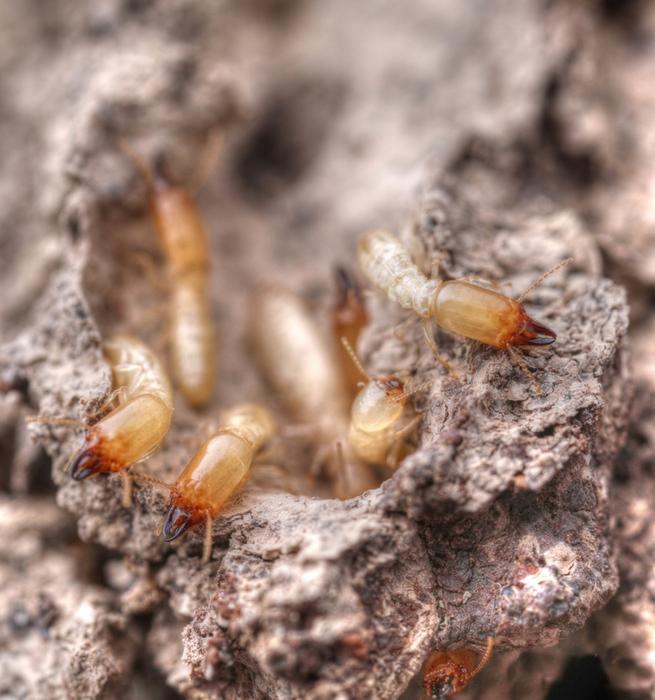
{"x":448,"y":672}
{"x":133,"y":430}
{"x":185,"y":243}
{"x":349,"y":317}
{"x":459,"y":306}
{"x":302,"y":368}
{"x":216,"y":471}
{"x":376,"y":432}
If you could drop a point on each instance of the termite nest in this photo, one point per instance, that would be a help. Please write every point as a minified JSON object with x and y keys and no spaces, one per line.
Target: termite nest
{"x":353,"y":428}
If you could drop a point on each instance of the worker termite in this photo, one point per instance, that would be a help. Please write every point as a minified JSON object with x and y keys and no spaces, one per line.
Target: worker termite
{"x":185,"y":243}
{"x":133,"y":430}
{"x":459,"y":306}
{"x":448,"y":672}
{"x":375,"y":433}
{"x":216,"y":471}
{"x":349,"y":316}
{"x":296,"y":359}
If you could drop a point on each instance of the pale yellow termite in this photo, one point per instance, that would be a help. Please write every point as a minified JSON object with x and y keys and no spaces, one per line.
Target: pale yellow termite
{"x":184,"y":240}
{"x":137,"y":426}
{"x":217,"y":470}
{"x":302,"y":368}
{"x":458,"y":306}
{"x":376,"y":427}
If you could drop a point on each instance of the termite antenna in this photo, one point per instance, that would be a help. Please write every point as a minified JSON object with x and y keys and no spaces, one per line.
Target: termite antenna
{"x":484,"y":658}
{"x":137,"y":476}
{"x":139,"y":163}
{"x":540,"y":279}
{"x":355,"y":359}
{"x":54,"y":420}
{"x":414,"y":390}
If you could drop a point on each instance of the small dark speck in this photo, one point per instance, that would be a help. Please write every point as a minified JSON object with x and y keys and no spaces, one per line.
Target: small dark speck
{"x":80,"y":311}
{"x":19,"y":620}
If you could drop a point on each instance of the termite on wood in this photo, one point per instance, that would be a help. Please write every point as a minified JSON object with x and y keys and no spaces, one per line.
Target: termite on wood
{"x":216,"y":471}
{"x":448,"y":672}
{"x":299,"y":363}
{"x":458,"y":306}
{"x":376,"y":429}
{"x":185,"y":243}
{"x":349,"y":317}
{"x":133,"y":430}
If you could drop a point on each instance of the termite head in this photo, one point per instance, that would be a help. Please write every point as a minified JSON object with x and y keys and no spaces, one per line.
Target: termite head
{"x":349,"y":309}
{"x":444,"y":677}
{"x":379,"y":404}
{"x":92,"y":459}
{"x":180,"y":517}
{"x":530,"y":332}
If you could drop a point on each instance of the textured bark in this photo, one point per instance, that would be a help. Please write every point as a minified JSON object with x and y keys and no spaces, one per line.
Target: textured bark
{"x":499,"y":524}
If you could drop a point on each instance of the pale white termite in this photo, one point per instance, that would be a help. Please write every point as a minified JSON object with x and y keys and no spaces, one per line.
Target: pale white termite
{"x":302,"y":368}
{"x":458,"y":306}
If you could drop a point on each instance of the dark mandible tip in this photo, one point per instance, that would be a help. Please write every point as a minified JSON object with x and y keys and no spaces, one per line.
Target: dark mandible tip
{"x":84,"y":465}
{"x":177,"y":523}
{"x":537,"y":334}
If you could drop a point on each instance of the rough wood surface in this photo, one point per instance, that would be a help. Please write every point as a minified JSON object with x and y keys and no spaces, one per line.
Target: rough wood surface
{"x":442,"y":125}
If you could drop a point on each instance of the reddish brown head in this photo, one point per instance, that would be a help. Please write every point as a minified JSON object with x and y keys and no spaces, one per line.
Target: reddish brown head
{"x":530,"y":332}
{"x":93,"y":458}
{"x":180,"y":517}
{"x":447,"y":673}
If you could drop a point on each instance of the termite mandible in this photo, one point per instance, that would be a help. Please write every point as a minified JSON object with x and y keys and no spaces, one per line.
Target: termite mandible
{"x":133,"y":430}
{"x":448,"y":672}
{"x":458,"y":306}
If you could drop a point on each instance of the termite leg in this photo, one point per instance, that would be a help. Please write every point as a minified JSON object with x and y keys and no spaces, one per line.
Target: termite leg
{"x":428,"y":332}
{"x":319,"y":460}
{"x":398,"y":439}
{"x":126,"y":498}
{"x":400,"y":327}
{"x":208,"y":540}
{"x":515,"y":356}
{"x":213,"y":148}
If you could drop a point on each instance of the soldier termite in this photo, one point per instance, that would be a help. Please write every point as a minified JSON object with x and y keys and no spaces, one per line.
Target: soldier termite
{"x":349,"y":316}
{"x":375,"y":433}
{"x":300,"y":365}
{"x":184,"y":240}
{"x":448,"y":672}
{"x":133,"y":430}
{"x":458,"y":306}
{"x":216,"y":471}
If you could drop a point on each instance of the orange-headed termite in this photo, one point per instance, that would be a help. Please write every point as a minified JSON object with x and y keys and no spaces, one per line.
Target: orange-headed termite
{"x":349,"y":316}
{"x":458,"y":306}
{"x":449,"y":672}
{"x":217,"y":470}
{"x":375,"y":433}
{"x":136,"y":427}
{"x":302,"y":368}
{"x":185,"y":243}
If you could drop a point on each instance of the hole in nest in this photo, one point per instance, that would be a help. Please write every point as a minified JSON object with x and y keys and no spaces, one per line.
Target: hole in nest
{"x":584,"y":679}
